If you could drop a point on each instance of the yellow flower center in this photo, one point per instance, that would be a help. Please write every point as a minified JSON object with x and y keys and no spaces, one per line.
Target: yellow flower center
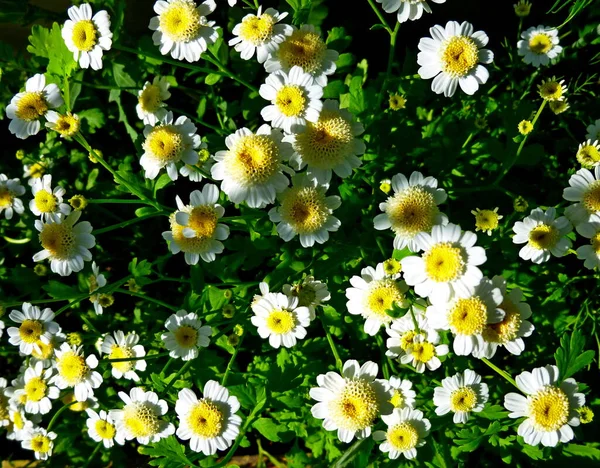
{"x":31,"y":106}
{"x":4,"y":415}
{"x":67,"y":125}
{"x":595,"y":241}
{"x":540,"y":44}
{"x":291,"y":100}
{"x":397,"y":102}
{"x":17,"y":419}
{"x":326,"y":143}
{"x":543,"y":236}
{"x":45,"y":201}
{"x":382,"y":296}
{"x":549,"y":409}
{"x":140,"y":420}
{"x":304,"y":209}
{"x":72,"y":368}
{"x":203,"y":220}
{"x":253,"y":160}
{"x":551,"y":90}
{"x":40,"y":443}
{"x":122,"y":352}
{"x":35,"y":389}
{"x":6,"y":197}
{"x":525,"y":127}
{"x":403,"y":436}
{"x":302,"y":48}
{"x":463,"y":399}
{"x":407,"y":339}
{"x":206,"y":419}
{"x":77,"y":406}
{"x":150,"y":100}
{"x":506,"y":330}
{"x":257,"y":29}
{"x":444,"y":262}
{"x":586,"y":415}
{"x":45,"y":350}
{"x":486,"y":220}
{"x":588,"y":155}
{"x":468,"y":316}
{"x":105,"y":429}
{"x":281,"y":321}
{"x":411,"y":211}
{"x":422,"y":351}
{"x":460,"y":55}
{"x":36,"y":170}
{"x":30,"y":331}
{"x":186,"y":336}
{"x":356,"y":408}
{"x":58,"y":239}
{"x":392,"y":267}
{"x":181,"y":21}
{"x":85,"y":35}
{"x":397,"y":399}
{"x":165,"y":143}
{"x":591,"y":198}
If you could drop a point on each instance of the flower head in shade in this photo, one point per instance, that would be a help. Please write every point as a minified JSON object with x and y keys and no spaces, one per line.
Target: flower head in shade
{"x":10,"y":190}
{"x":199,"y":170}
{"x":47,"y":203}
{"x":406,"y":430}
{"x":310,"y":292}
{"x":584,"y":190}
{"x":461,"y":394}
{"x":539,"y":45}
{"x":185,"y":335}
{"x":36,"y":326}
{"x":66,"y":125}
{"x":403,"y":396}
{"x":40,"y":441}
{"x":101,"y":428}
{"x":121,"y":346}
{"x":76,"y":371}
{"x":151,"y":100}
{"x":552,"y":89}
{"x":408,"y":9}
{"x":590,"y":253}
{"x":588,"y":154}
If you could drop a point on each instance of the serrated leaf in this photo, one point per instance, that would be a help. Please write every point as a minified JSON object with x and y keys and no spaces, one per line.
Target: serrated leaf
{"x":59,"y":290}
{"x":168,"y":453}
{"x":272,"y":431}
{"x":569,"y":357}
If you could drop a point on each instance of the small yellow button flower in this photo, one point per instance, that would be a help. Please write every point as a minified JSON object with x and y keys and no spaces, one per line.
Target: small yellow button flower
{"x":558,"y":107}
{"x":20,"y":154}
{"x":486,"y":220}
{"x":74,"y":338}
{"x":588,"y":154}
{"x":385,"y":186}
{"x":525,"y":127}
{"x":78,"y":202}
{"x":66,"y":125}
{"x":95,"y":152}
{"x":586,"y":415}
{"x":522,"y":8}
{"x":392,"y":267}
{"x":397,"y":102}
{"x":552,"y":90}
{"x":520,"y":204}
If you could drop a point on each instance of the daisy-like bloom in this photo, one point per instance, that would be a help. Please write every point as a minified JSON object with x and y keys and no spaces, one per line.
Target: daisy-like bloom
{"x":305,"y":211}
{"x":593,"y":131}
{"x":461,"y":394}
{"x":67,"y":125}
{"x":466,"y":317}
{"x":102,"y":428}
{"x":525,"y":127}
{"x":590,"y":253}
{"x":452,"y":57}
{"x":522,"y":8}
{"x":182,"y":28}
{"x":392,"y":268}
{"x":44,"y":352}
{"x":195,"y":229}
{"x":91,"y":402}
{"x":306,"y":49}
{"x":26,"y":109}
{"x":586,"y":415}
{"x":588,"y":154}
{"x":329,"y":144}
{"x":205,"y":163}
{"x":350,"y":403}
{"x":123,"y":347}
{"x":513,"y":327}
{"x":407,"y":9}
{"x":310,"y":292}
{"x":151,"y":100}
{"x":20,"y":423}
{"x":185,"y":335}
{"x":40,"y":441}
{"x":397,"y":102}
{"x":552,"y":90}
{"x":407,"y":429}
{"x":65,"y":243}
{"x":372,"y":295}
{"x":76,"y":371}
{"x":412,"y":209}
{"x":403,"y":396}
{"x":539,"y":45}
{"x":87,"y":36}
{"x":486,"y":220}
{"x":10,"y":189}
{"x":36,"y":170}
{"x":543,"y":234}
{"x":385,"y":186}
{"x":280,"y":319}
{"x":36,"y":326}
{"x":140,"y":417}
{"x":558,"y":107}
{"x":251,"y":168}
{"x":550,"y":408}
{"x":47,"y":203}
{"x":264,"y":291}
{"x":295,"y":99}
{"x":260,"y":33}
{"x":97,"y":281}
{"x":37,"y":391}
{"x":209,"y":423}
{"x":448,"y":265}
{"x":585,"y":191}
{"x":168,"y":144}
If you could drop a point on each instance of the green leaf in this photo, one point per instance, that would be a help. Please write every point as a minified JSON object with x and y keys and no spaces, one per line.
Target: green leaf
{"x":122,"y":78}
{"x":570,"y":357}
{"x":272,"y":431}
{"x":92,"y":176}
{"x":94,"y":118}
{"x":59,"y":290}
{"x":143,"y":268}
{"x":212,"y":79}
{"x":161,"y":182}
{"x":582,"y":451}
{"x":168,"y":453}
{"x":48,"y":43}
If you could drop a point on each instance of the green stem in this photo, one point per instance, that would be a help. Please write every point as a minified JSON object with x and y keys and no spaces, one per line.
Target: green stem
{"x":67,"y":93}
{"x":167,"y":365}
{"x":414,"y":319}
{"x":57,"y":414}
{"x":115,"y":201}
{"x":384,"y":367}
{"x":380,"y":16}
{"x":216,"y":62}
{"x":148,"y":298}
{"x":390,"y":63}
{"x":128,"y":223}
{"x":231,"y":360}
{"x":271,"y":458}
{"x":108,"y":88}
{"x":504,"y":374}
{"x":93,"y":454}
{"x":338,"y":361}
{"x":180,"y":372}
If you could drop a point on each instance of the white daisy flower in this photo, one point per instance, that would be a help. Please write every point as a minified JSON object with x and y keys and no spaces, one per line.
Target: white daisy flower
{"x":448,"y":265}
{"x":350,"y":403}
{"x":198,"y":171}
{"x":251,"y":168}
{"x":407,"y":429}
{"x":407,"y":9}
{"x":585,"y":191}
{"x":10,"y":189}
{"x":122,"y":347}
{"x":75,"y":371}
{"x":65,"y":243}
{"x":461,"y":394}
{"x":87,"y":36}
{"x":1,"y":328}
{"x":590,"y":253}
{"x":295,"y":99}
{"x":47,"y":203}
{"x":139,"y":419}
{"x":96,"y":281}
{"x":231,"y":2}
{"x":185,"y":335}
{"x":310,"y":292}
{"x":102,"y":428}
{"x":151,"y":100}
{"x":452,"y":57}
{"x":40,"y":441}
{"x":210,"y":424}
{"x":91,"y":402}
{"x":26,"y":109}
{"x":182,"y":28}
{"x":412,"y":209}
{"x":264,"y":291}
{"x":168,"y":144}
{"x":44,"y":352}
{"x":403,"y":396}
{"x":195,"y":229}
{"x":280,"y":319}
{"x":467,"y":317}
{"x":328,"y":145}
{"x":37,"y":391}
{"x":306,"y":49}
{"x":260,"y":33}
{"x":539,"y":45}
{"x":372,"y":295}
{"x":511,"y":330}
{"x":543,"y":234}
{"x":593,"y":131}
{"x":66,"y":125}
{"x":21,"y":423}
{"x":588,"y":154}
{"x":305,"y":211}
{"x":36,"y":326}
{"x":550,"y":407}
{"x":36,"y":170}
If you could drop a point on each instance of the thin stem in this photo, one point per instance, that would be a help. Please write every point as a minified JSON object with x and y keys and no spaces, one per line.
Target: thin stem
{"x":231,"y":360}
{"x":380,"y":16}
{"x":108,"y":88}
{"x":105,"y":290}
{"x":180,"y":372}
{"x":116,"y":201}
{"x":338,"y":361}
{"x":414,"y":319}
{"x":390,"y":63}
{"x":93,"y":454}
{"x":167,"y":365}
{"x":148,"y":298}
{"x":129,"y":222}
{"x":271,"y":458}
{"x":504,"y":374}
{"x":57,"y":414}
{"x":216,"y":62}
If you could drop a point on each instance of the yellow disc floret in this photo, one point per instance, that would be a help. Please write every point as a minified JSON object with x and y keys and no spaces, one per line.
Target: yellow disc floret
{"x":356,"y":408}
{"x":72,"y":368}
{"x":460,"y":56}
{"x":180,"y":21}
{"x":140,"y":420}
{"x":543,"y":236}
{"x":122,"y":352}
{"x":257,"y":29}
{"x":549,"y":409}
{"x":164,"y":143}
{"x":467,"y":316}
{"x":508,"y":329}
{"x":397,"y":102}
{"x":45,"y":201}
{"x":35,"y":389}
{"x":422,"y":351}
{"x":595,"y":241}
{"x":407,"y":339}
{"x":525,"y":127}
{"x":304,"y":209}
{"x":41,"y":443}
{"x":552,"y":90}
{"x":105,"y":429}
{"x":203,"y":221}
{"x":540,"y":43}
{"x":397,"y":399}
{"x":291,"y":100}
{"x":31,"y":106}
{"x":411,"y":211}
{"x":444,"y":262}
{"x":382,"y":296}
{"x":486,"y":220}
{"x":30,"y":331}
{"x":304,"y":49}
{"x":281,"y":321}
{"x":463,"y":399}
{"x":150,"y":100}
{"x":253,"y":160}
{"x":6,"y":197}
{"x":186,"y":336}
{"x":85,"y":35}
{"x":67,"y":125}
{"x":591,"y":197}
{"x":403,"y":436}
{"x":58,"y":239}
{"x":206,"y":419}
{"x":588,"y":155}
